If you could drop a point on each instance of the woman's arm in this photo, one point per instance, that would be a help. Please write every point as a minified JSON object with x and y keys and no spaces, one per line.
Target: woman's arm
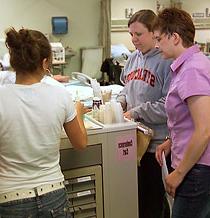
{"x":75,"y":129}
{"x":199,"y":107}
{"x":164,"y":147}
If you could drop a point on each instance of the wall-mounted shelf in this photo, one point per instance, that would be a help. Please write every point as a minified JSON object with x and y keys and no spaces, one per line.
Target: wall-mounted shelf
{"x":119,"y":25}
{"x":202,"y":23}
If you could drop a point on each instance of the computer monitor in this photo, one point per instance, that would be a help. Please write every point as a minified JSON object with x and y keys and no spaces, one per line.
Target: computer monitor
{"x":59,"y":25}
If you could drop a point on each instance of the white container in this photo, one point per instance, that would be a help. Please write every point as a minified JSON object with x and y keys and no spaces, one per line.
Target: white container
{"x":108,"y":113}
{"x":101,"y":113}
{"x":117,"y":112}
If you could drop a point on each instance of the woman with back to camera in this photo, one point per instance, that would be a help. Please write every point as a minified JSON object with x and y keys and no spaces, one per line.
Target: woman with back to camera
{"x":33,"y":115}
{"x":146,"y":78}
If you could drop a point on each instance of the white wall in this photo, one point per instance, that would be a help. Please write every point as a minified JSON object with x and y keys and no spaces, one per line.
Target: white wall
{"x":83,"y":15}
{"x":118,"y":7}
{"x":194,"y":6}
{"x":118,"y":10}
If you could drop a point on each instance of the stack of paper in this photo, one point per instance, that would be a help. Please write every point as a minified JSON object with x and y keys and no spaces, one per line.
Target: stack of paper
{"x":91,"y":123}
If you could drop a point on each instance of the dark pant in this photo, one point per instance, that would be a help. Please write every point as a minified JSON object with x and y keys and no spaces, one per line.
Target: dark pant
{"x":151,"y":190}
{"x":51,"y":205}
{"x":192,"y":199}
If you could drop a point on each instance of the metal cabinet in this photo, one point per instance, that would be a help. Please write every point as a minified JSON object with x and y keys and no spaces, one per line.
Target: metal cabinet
{"x":110,"y":165}
{"x":84,"y":188}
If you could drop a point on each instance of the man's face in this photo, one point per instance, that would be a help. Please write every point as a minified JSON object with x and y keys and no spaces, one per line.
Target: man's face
{"x":142,"y":39}
{"x":165,"y":43}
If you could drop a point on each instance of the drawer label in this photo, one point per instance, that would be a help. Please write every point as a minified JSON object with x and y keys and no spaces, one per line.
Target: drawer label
{"x":84,"y":179}
{"x":80,"y":194}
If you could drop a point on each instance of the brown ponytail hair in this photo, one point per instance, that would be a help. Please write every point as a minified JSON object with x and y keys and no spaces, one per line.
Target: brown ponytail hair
{"x":28,"y":49}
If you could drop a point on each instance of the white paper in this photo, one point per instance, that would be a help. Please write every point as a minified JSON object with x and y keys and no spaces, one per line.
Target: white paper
{"x":91,"y":124}
{"x":164,"y":174}
{"x":164,"y":169}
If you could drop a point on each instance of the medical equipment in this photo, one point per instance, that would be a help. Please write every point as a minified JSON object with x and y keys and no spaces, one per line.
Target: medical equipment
{"x":83,"y":78}
{"x":103,"y":177}
{"x":58,"y":53}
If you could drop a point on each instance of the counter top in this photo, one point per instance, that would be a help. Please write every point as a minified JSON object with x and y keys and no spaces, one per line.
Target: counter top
{"x":95,"y":134}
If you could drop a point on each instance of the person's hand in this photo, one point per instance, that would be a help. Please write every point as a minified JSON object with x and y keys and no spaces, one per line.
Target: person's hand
{"x":127,"y":115}
{"x":86,"y":110}
{"x":61,"y":78}
{"x":124,"y":105}
{"x":164,"y":147}
{"x":173,"y":180}
{"x":81,"y":109}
